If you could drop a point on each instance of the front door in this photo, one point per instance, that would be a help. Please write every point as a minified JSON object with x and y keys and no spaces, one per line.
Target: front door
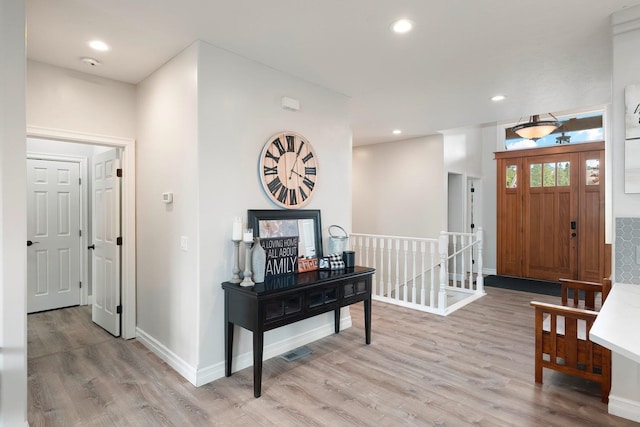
{"x":53,"y":230}
{"x":550,"y":216}
{"x":550,"y":210}
{"x":106,"y":251}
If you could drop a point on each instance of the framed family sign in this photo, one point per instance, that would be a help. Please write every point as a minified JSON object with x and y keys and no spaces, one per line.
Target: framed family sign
{"x":292,"y":239}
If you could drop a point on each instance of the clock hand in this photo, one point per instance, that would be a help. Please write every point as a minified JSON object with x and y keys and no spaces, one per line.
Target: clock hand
{"x":292,"y":171}
{"x":295,"y":165}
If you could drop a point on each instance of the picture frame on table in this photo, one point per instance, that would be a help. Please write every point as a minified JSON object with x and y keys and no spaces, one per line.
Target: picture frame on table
{"x":291,"y":238}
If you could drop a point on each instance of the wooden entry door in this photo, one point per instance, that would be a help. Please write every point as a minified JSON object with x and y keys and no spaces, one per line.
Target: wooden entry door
{"x":550,"y":216}
{"x":551,"y":213}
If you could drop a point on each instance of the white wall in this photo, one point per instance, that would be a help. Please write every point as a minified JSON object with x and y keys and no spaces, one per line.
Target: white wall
{"x":398,"y":187}
{"x":488,"y":201}
{"x":239,"y":109}
{"x":59,"y":98}
{"x":13,"y":217}
{"x":203,"y":119}
{"x":167,"y":277}
{"x":625,"y":387}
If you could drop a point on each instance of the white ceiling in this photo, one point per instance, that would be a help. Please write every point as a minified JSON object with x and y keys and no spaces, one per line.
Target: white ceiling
{"x":438,"y":77}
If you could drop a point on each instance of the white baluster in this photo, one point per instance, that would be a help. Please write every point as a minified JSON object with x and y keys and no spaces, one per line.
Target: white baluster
{"x":397,"y":269}
{"x":463,"y":264}
{"x":423,"y":270}
{"x":389,"y":281}
{"x":373,"y":257}
{"x":480,"y":277}
{"x":432,"y":282}
{"x":381,"y":284}
{"x":443,"y":247}
{"x":413,"y":274}
{"x":366,"y":248}
{"x":405,"y":274}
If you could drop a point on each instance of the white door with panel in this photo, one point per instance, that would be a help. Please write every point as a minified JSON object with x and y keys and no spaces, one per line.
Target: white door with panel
{"x":106,"y":249}
{"x":53,"y":230}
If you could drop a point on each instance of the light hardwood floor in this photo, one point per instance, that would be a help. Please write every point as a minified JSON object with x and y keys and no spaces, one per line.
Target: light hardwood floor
{"x":474,"y":367}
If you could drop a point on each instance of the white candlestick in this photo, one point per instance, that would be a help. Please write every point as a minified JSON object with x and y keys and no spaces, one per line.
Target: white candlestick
{"x":237,"y":229}
{"x":248,"y":236}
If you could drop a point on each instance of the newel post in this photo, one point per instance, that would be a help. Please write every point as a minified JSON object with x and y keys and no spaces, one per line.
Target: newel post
{"x":443,"y":249}
{"x":480,"y":277}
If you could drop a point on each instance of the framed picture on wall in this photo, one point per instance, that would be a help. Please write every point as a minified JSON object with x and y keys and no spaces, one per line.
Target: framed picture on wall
{"x":292,"y":239}
{"x":632,"y":142}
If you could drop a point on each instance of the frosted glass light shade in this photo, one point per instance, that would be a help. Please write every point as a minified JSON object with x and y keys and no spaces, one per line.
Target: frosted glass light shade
{"x":535,"y":128}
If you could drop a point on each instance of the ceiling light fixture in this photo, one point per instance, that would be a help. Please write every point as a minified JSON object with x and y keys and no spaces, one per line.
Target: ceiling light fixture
{"x":402,"y":26}
{"x":99,"y":45}
{"x":397,"y":132}
{"x":498,"y":98}
{"x":535,"y":128}
{"x":90,"y":61}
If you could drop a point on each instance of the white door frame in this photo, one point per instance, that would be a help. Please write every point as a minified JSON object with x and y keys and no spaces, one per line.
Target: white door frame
{"x":82,"y":161}
{"x":128,"y":225}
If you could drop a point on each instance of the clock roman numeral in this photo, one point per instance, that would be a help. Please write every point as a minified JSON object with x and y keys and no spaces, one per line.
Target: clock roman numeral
{"x":308,"y":157}
{"x":275,"y":185}
{"x":300,"y":148}
{"x":291,"y":143}
{"x":282,"y":196}
{"x":293,"y":199}
{"x":270,"y":171}
{"x":306,"y":181}
{"x":309,"y":171}
{"x":279,"y":146}
{"x":271,"y":156}
{"x":303,"y":195}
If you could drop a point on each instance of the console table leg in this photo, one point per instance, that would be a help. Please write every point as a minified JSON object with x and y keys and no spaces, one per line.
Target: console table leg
{"x":367,"y":320}
{"x":336,"y":321}
{"x":228,"y":348}
{"x":258,"y":340}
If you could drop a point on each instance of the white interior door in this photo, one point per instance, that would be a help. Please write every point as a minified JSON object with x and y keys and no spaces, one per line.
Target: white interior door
{"x":53,"y":230}
{"x":106,"y":230}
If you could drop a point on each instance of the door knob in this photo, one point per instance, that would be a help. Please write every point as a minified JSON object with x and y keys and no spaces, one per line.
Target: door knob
{"x":91,"y":247}
{"x":29,"y":243}
{"x":573,"y":234}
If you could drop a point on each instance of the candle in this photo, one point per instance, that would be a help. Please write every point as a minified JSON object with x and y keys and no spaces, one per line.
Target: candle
{"x":237,"y":229}
{"x":248,"y":235}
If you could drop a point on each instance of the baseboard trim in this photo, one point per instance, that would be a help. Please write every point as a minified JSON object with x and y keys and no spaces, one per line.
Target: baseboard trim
{"x":625,"y":408}
{"x":205,"y":375}
{"x":244,"y":360}
{"x":172,"y":359}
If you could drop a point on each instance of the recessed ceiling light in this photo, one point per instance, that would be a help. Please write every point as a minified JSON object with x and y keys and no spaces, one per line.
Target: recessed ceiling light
{"x":402,"y":26}
{"x":99,"y":45}
{"x":90,"y":61}
{"x":497,"y":98}
{"x":397,"y":132}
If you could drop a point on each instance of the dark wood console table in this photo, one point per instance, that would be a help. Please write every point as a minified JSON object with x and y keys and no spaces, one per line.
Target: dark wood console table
{"x":287,"y":299}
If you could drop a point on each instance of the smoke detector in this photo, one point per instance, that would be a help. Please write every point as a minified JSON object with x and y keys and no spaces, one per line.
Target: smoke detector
{"x":90,"y":61}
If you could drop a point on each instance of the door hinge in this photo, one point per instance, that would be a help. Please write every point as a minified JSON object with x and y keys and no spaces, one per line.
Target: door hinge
{"x":118,"y":241}
{"x":119,"y":173}
{"x":80,"y":285}
{"x":473,"y":190}
{"x":79,"y":181}
{"x":80,"y":233}
{"x":119,"y":309}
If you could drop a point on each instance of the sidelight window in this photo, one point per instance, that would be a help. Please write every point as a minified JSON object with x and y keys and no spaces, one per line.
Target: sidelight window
{"x":593,"y":171}
{"x":512,"y":176}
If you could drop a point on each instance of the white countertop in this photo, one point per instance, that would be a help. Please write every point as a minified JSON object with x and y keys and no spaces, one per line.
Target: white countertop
{"x":617,"y":326}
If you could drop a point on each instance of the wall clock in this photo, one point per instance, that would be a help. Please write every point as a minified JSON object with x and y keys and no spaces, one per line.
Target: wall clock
{"x":289,"y":169}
